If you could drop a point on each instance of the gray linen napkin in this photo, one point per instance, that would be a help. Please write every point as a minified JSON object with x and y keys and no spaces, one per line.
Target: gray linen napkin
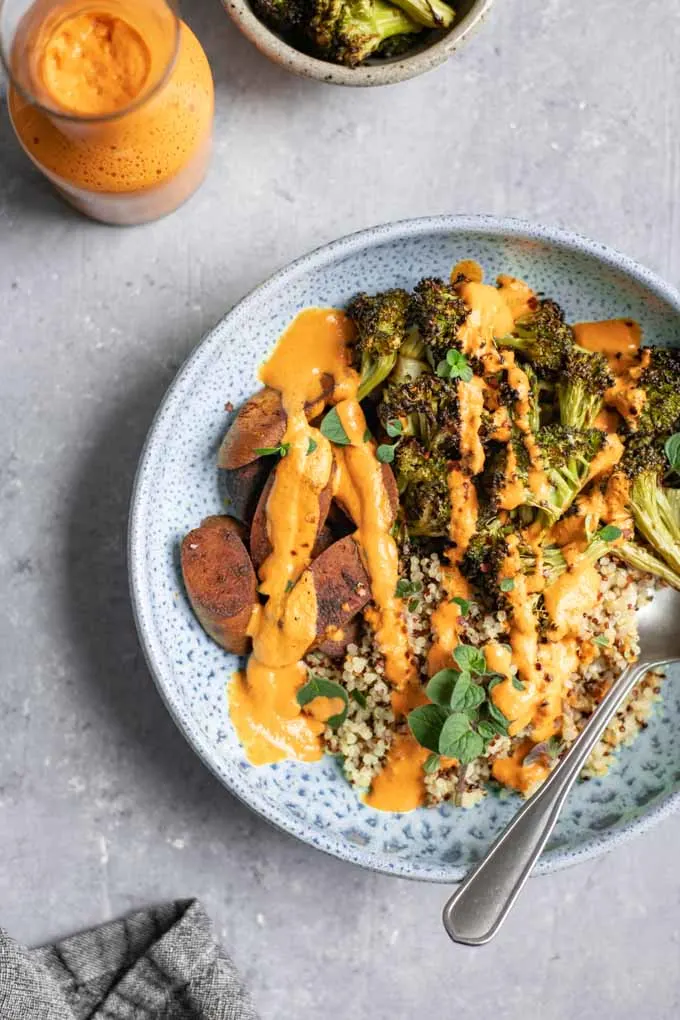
{"x":158,"y":964}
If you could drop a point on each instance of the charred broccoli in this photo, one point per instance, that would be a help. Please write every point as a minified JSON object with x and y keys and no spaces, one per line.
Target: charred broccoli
{"x":543,"y":338}
{"x":438,"y":312}
{"x":661,"y":382}
{"x":422,"y":480}
{"x":485,"y":554}
{"x":349,"y":31}
{"x":286,"y":16}
{"x":427,"y":407}
{"x":655,"y":515}
{"x":585,"y":378}
{"x":567,"y":455}
{"x":381,"y":322}
{"x":506,"y":464}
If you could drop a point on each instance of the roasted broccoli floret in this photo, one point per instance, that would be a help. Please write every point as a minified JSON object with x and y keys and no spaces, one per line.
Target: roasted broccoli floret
{"x":282,"y":15}
{"x":349,"y":31}
{"x":422,"y":480}
{"x":506,"y":465}
{"x":427,"y":407}
{"x":661,"y":382}
{"x":543,"y":338}
{"x":567,"y":455}
{"x":485,"y":554}
{"x":553,"y":563}
{"x":429,"y":13}
{"x":655,"y":515}
{"x":438,"y":312}
{"x":381,"y":322}
{"x":584,"y":380}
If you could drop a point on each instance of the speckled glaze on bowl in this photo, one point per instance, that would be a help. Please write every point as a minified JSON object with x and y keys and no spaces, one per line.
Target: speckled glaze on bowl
{"x":423,"y":57}
{"x":177,"y":486}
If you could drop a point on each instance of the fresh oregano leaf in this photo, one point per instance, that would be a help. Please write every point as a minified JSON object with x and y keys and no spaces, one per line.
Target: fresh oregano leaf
{"x":440,"y":687}
{"x":367,"y":436}
{"x":462,"y":604}
{"x":517,"y":683}
{"x":333,"y":429}
{"x":470,"y":658}
{"x":431,"y":764}
{"x":413,"y":605}
{"x":459,"y":740}
{"x":601,"y":640}
{"x":456,"y":725}
{"x":672,"y":451}
{"x":312,"y":445}
{"x":487,"y":730}
{"x":425,"y":723}
{"x":458,"y":366}
{"x":385,"y":453}
{"x":507,"y":584}
{"x":394,"y":428}
{"x":467,"y":696}
{"x":494,"y":680}
{"x":320,"y":687}
{"x":498,"y":717}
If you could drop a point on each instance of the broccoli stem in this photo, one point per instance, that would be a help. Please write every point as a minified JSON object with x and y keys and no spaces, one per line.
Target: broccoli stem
{"x":374,"y":371}
{"x":641,"y":558}
{"x":655,"y":518}
{"x":380,"y":20}
{"x":430,"y":13}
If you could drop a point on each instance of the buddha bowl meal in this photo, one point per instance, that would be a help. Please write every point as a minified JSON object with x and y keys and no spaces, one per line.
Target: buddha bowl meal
{"x":444,"y":508}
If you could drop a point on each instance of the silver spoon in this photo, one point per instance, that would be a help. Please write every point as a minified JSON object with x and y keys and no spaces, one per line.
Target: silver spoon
{"x":481,"y":903}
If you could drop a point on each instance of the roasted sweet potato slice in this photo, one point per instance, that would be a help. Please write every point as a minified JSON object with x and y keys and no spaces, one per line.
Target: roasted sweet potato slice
{"x":336,"y":647}
{"x":260,"y":546}
{"x":220,"y":581}
{"x":342,"y":587}
{"x":243,"y":486}
{"x":261,"y":423}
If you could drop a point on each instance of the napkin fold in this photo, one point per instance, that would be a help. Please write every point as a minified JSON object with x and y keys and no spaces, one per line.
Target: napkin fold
{"x":157,"y":964}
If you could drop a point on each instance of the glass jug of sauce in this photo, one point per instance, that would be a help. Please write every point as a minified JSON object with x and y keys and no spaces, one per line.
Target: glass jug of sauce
{"x":112,"y":99}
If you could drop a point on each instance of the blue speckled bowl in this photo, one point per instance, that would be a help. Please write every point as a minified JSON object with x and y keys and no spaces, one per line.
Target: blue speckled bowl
{"x":177,"y":486}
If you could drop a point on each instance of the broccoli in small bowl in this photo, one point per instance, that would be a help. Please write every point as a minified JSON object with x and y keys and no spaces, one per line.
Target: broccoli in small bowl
{"x":357,"y":42}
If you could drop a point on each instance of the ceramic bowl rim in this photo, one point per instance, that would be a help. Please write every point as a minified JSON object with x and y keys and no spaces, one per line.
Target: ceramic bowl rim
{"x":281,"y":52}
{"x":322,"y":257}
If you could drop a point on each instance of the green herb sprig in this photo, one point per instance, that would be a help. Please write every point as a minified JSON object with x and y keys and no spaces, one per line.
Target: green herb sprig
{"x":455,"y":366}
{"x":462,"y":719}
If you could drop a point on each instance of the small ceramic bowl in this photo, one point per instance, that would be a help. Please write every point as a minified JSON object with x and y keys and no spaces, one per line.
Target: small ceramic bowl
{"x":422,"y":58}
{"x":177,"y":486}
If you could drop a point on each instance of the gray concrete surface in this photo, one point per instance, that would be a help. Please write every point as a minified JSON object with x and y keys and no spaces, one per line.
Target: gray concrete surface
{"x":563,"y":113}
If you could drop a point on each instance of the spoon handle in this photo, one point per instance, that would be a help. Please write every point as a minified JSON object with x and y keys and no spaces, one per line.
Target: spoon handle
{"x":476,"y":910}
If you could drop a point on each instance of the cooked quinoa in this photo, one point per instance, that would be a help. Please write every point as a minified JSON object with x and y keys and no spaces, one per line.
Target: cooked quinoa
{"x":363,"y":740}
